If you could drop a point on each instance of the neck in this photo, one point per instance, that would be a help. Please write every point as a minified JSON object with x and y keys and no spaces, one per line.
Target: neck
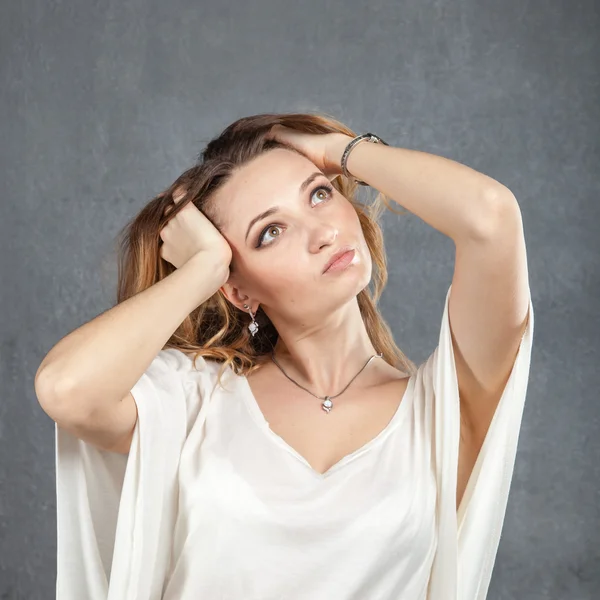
{"x":327,"y":356}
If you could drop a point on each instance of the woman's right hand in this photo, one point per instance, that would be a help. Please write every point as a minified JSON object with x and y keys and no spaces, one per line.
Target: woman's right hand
{"x":190,"y":233}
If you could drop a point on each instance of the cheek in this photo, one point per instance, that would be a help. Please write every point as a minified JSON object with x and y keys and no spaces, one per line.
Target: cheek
{"x":276,"y":280}
{"x":351,"y":220}
{"x":283,"y":284}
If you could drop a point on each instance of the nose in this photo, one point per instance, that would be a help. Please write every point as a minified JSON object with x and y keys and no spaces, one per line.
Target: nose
{"x":323,"y":235}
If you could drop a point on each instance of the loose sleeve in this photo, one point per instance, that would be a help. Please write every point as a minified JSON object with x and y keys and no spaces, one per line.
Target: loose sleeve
{"x":115,"y":513}
{"x":468,"y":539}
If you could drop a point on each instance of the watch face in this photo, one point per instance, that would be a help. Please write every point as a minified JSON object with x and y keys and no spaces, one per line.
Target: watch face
{"x":377,"y":139}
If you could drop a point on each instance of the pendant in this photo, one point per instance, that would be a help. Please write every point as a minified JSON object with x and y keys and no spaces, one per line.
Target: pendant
{"x":327,"y":404}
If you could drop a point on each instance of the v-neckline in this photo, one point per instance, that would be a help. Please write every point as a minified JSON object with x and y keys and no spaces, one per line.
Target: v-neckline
{"x":256,"y":412}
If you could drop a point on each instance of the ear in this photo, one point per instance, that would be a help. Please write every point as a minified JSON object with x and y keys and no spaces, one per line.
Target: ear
{"x":233,"y":294}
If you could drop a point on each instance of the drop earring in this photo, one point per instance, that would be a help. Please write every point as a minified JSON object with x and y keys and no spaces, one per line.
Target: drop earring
{"x":253,"y":327}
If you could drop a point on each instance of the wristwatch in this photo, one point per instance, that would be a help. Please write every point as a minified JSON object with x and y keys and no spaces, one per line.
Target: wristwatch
{"x":368,"y":137}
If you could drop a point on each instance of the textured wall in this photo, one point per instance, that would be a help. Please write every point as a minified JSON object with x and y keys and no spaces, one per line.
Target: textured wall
{"x":105,"y":103}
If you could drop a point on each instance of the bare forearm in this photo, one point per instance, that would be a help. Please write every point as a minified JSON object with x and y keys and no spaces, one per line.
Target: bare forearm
{"x":101,"y":361}
{"x":455,"y":199}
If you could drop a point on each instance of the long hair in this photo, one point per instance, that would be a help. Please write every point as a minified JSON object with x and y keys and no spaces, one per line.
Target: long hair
{"x":217,"y":329}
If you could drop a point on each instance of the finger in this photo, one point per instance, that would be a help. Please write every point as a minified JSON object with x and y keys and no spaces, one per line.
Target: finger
{"x":275,"y":132}
{"x":179,"y":194}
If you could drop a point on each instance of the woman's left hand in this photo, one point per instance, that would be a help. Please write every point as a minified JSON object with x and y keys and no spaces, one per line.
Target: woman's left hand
{"x":324,"y":150}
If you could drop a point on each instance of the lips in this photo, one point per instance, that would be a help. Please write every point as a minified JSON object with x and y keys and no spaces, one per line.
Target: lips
{"x":337,"y":255}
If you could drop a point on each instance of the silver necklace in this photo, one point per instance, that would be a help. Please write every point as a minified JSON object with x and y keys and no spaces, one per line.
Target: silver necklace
{"x":327,"y":404}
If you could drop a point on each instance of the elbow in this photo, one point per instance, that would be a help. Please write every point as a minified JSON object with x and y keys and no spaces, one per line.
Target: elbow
{"x":499,"y":210}
{"x":44,"y":387}
{"x":52,"y":394}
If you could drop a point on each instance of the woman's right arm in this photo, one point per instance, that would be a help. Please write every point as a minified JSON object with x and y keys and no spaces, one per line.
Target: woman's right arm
{"x":83,"y":383}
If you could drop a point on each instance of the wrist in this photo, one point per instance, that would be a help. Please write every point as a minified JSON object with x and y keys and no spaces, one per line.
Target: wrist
{"x":335,"y":150}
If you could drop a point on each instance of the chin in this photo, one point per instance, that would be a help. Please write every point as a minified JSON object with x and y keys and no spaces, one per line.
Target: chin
{"x":357,"y":275}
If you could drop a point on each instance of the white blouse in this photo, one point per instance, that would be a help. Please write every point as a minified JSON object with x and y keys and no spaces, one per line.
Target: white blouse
{"x":211,"y":503}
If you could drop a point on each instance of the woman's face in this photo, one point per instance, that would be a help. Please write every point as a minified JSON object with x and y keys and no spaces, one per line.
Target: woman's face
{"x":279,"y":258}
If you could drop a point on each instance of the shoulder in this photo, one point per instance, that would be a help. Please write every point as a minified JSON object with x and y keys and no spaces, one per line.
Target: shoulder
{"x":196,"y":372}
{"x":172,"y":369}
{"x":184,"y":363}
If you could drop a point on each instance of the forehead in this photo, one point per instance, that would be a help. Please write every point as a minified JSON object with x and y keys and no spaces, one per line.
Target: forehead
{"x":271,"y":178}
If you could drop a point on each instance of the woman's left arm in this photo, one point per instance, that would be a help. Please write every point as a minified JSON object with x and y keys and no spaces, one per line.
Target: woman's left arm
{"x":489,"y":298}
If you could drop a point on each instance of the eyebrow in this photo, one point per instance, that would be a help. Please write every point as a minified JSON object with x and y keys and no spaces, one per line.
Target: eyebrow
{"x":274,"y":209}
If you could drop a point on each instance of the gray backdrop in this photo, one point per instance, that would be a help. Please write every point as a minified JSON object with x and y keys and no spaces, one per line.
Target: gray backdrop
{"x":104,"y":103}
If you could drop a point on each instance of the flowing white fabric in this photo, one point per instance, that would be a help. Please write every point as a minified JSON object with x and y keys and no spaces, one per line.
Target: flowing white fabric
{"x":127,"y":525}
{"x":469,"y":537}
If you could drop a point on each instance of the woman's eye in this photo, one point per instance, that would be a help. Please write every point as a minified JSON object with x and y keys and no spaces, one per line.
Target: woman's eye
{"x":264,"y":232}
{"x":261,"y":238}
{"x":327,"y":188}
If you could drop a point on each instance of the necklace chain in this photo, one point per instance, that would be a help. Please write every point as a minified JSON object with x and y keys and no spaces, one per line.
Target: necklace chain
{"x":327,"y":404}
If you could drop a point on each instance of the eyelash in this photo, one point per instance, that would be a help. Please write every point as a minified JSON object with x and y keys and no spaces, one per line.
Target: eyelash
{"x":259,"y":243}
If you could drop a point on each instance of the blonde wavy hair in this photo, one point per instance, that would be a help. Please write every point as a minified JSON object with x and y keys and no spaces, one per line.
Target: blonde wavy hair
{"x":217,"y":329}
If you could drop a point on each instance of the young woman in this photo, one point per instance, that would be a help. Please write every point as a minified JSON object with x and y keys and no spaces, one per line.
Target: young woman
{"x":242,"y":425}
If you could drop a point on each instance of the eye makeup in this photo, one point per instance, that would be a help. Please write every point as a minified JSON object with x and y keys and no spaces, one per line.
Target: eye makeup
{"x":259,"y":241}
